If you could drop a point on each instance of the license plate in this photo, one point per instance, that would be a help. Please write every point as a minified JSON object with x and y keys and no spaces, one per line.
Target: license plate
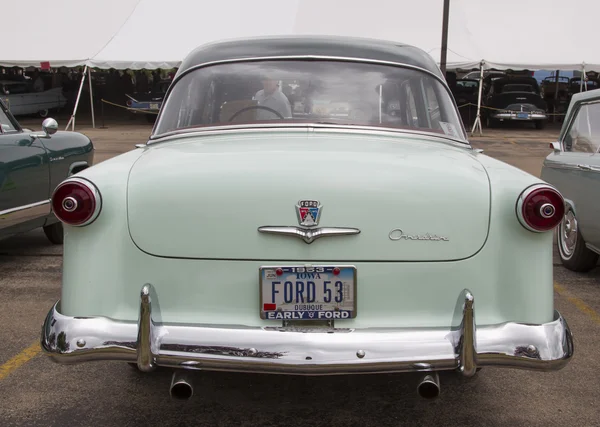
{"x":323,"y":292}
{"x":522,"y":115}
{"x":154,"y":106}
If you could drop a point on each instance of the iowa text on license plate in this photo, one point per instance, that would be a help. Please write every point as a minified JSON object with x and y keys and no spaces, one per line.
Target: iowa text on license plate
{"x":308,"y":292}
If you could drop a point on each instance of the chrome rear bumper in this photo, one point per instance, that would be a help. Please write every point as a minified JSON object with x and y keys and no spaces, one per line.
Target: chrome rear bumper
{"x":514,"y":116}
{"x":463,"y":347}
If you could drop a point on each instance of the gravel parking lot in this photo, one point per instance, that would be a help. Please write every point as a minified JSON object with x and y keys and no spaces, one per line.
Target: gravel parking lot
{"x":35,"y":391}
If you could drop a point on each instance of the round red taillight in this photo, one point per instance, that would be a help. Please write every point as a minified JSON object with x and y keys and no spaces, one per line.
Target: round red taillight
{"x":76,"y":202}
{"x":540,"y":208}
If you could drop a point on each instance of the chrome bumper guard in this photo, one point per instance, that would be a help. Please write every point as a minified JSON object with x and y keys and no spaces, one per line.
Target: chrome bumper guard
{"x":307,"y":351}
{"x":514,"y":116}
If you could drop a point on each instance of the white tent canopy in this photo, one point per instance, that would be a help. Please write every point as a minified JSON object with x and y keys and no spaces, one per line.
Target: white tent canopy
{"x":135,"y":34}
{"x":150,"y":34}
{"x":532,"y":34}
{"x":64,"y":32}
{"x":417,"y":23}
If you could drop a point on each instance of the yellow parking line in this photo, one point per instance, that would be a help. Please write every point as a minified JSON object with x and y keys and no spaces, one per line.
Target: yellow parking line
{"x":19,"y":360}
{"x":581,"y":306}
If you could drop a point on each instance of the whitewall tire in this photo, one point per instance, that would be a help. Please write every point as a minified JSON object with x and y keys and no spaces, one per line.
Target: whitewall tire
{"x":573,"y":253}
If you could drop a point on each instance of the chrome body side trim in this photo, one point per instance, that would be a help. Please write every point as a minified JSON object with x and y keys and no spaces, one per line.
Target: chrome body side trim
{"x":571,"y":166}
{"x":306,"y":234}
{"x":461,"y":347}
{"x":588,"y":168}
{"x":21,"y":214}
{"x":560,"y":165}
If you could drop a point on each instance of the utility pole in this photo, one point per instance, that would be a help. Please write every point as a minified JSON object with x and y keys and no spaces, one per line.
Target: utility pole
{"x":444,"y":37}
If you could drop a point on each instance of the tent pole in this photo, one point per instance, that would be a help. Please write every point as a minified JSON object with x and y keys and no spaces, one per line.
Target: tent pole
{"x":444,"y":37}
{"x":91,"y":97}
{"x":478,"y":118}
{"x":555,"y":94}
{"x":72,"y":119}
{"x":582,"y":77}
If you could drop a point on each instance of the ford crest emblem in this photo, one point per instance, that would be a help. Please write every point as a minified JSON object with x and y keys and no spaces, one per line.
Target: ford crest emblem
{"x":309,"y":212}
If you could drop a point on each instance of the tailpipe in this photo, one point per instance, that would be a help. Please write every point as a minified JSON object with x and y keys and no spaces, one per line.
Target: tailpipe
{"x":181,"y":386}
{"x":429,"y":386}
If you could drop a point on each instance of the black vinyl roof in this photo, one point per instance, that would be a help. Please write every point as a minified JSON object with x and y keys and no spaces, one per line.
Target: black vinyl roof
{"x":273,"y":46}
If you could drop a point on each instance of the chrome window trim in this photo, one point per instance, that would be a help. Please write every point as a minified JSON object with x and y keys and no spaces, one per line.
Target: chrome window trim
{"x":303,"y":128}
{"x":154,"y":137}
{"x":21,"y":214}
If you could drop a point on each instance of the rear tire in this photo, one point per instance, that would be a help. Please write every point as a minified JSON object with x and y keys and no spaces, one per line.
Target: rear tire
{"x":573,"y":253}
{"x":55,"y":233}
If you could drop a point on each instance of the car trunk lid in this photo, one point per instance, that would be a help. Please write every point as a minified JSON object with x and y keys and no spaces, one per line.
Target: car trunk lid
{"x":412,"y":199}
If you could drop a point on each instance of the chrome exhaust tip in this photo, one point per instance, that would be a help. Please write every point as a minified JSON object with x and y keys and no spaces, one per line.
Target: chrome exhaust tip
{"x":429,"y":386}
{"x":181,"y":386}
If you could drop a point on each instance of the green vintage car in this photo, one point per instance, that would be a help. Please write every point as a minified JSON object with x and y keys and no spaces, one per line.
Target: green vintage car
{"x":32,"y":164}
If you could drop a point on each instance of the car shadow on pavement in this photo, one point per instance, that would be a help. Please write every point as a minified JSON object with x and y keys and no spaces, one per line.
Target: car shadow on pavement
{"x":224,"y":398}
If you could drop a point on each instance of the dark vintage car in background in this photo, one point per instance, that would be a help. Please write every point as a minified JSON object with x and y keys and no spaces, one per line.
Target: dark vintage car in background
{"x":32,"y":164}
{"x":514,"y":98}
{"x":148,"y":103}
{"x":591,"y":82}
{"x":466,"y":94}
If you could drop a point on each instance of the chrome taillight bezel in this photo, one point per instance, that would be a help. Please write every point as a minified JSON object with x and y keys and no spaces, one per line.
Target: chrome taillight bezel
{"x":91,"y":188}
{"x":521,"y":200}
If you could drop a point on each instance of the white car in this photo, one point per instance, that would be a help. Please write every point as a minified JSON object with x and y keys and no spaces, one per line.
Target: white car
{"x":21,"y":99}
{"x":242,"y":237}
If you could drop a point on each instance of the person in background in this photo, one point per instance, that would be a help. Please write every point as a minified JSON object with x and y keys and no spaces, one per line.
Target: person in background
{"x":38,"y":83}
{"x":142,"y":82}
{"x":271,"y":97}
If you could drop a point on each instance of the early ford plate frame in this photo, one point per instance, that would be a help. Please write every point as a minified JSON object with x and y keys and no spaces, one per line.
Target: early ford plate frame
{"x":311,"y":268}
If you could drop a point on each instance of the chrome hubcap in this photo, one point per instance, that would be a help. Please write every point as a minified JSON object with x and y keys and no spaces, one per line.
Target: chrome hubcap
{"x":568,"y":234}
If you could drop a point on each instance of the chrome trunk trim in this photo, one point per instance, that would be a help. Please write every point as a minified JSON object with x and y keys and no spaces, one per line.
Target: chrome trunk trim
{"x":461,"y":347}
{"x":25,"y":213}
{"x":306,"y":234}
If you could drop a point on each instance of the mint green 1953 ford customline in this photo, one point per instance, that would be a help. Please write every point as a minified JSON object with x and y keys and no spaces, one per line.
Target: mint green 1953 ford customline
{"x":308,"y":206}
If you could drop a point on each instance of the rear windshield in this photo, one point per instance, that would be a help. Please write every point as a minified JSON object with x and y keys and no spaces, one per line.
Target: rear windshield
{"x":302,"y":91}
